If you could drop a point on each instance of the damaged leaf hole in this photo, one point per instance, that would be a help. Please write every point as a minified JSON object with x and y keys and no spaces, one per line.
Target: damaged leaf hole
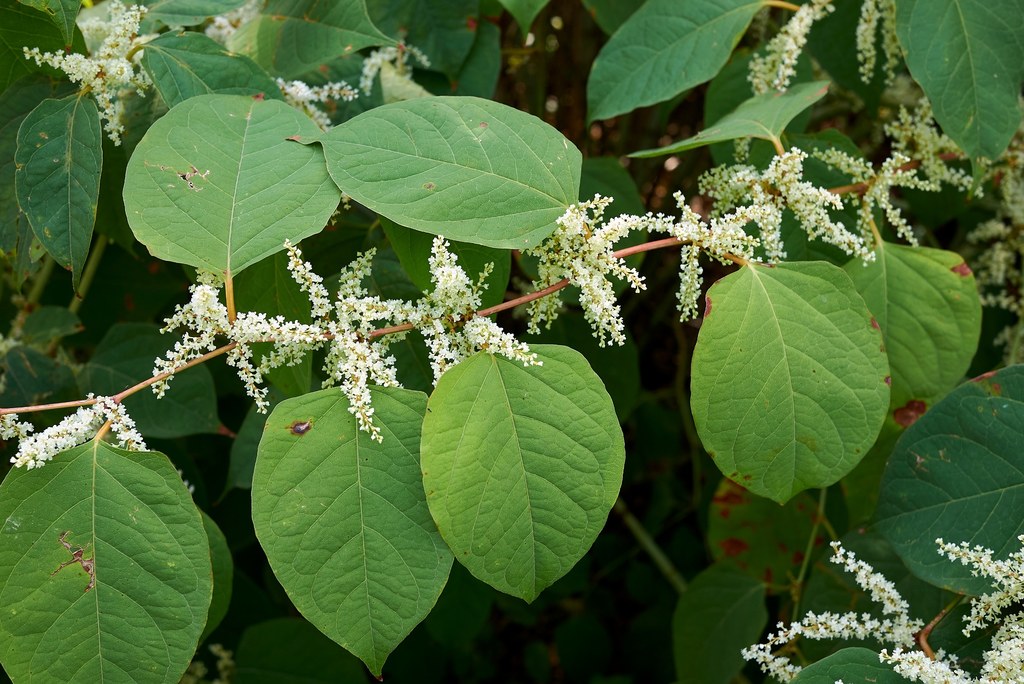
{"x":300,"y":427}
{"x":78,"y":556}
{"x":187,"y":176}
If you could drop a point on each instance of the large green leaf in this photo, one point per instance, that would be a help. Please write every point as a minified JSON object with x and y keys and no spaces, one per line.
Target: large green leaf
{"x":293,"y":37}
{"x":852,"y":666}
{"x":462,"y":167}
{"x":958,"y":473}
{"x":186,"y":64}
{"x":926,"y":302}
{"x":133,"y":607}
{"x":762,"y":116}
{"x":721,"y":612}
{"x":125,"y":356}
{"x":344,"y":521}
{"x":60,"y":153}
{"x":664,"y":48}
{"x":968,"y":56}
{"x":789,"y":384}
{"x":215,"y":183}
{"x":521,"y":465}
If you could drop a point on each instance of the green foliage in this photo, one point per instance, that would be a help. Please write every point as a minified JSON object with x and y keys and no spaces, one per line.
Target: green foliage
{"x":637,"y":504}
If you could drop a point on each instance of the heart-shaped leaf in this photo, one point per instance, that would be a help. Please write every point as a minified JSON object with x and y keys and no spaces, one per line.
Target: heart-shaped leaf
{"x":215,"y":183}
{"x":105,"y":569}
{"x":344,"y":521}
{"x":790,"y":378}
{"x":521,"y":465}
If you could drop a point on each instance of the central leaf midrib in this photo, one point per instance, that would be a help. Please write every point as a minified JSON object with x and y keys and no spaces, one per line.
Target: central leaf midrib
{"x":234,"y":192}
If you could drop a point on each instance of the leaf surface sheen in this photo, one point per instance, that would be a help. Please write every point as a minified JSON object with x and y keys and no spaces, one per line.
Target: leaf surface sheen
{"x":469,"y":169}
{"x":968,"y":56}
{"x":58,"y":162}
{"x":344,"y":521}
{"x":789,"y":377}
{"x":216,"y":183}
{"x":521,"y":465}
{"x":133,"y":517}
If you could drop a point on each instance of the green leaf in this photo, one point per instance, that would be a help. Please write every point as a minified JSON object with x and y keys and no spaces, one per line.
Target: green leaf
{"x":469,"y":169}
{"x":61,"y":12}
{"x":125,"y":356}
{"x":343,"y":518}
{"x":186,"y":64}
{"x":758,"y":536}
{"x":188,"y":12}
{"x":60,"y":152}
{"x":721,"y":612}
{"x":223,"y":575}
{"x":292,"y":37}
{"x":926,"y":302}
{"x":292,"y":651}
{"x":444,"y":31}
{"x":17,"y":102}
{"x":21,"y":27}
{"x":268,"y":287}
{"x":762,"y":116}
{"x":216,"y":183}
{"x":413,"y":249}
{"x":48,"y":323}
{"x":789,"y":384}
{"x":134,"y":607}
{"x":968,"y":56}
{"x":521,"y":465}
{"x":524,"y":11}
{"x":664,"y":48}
{"x":852,"y":666}
{"x":958,"y":473}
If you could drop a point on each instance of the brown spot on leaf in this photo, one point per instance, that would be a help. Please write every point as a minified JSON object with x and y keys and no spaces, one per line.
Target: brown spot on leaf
{"x":471,"y":23}
{"x":300,"y":427}
{"x":908,"y":414}
{"x":296,"y":137}
{"x":429,"y":186}
{"x":707,"y":306}
{"x":733,"y":546}
{"x":888,"y":380}
{"x":874,"y":323}
{"x":259,"y":97}
{"x":962,"y":269}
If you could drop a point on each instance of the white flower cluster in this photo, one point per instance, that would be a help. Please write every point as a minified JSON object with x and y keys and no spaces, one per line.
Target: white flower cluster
{"x":392,"y":63}
{"x":357,"y":354}
{"x":896,"y":628}
{"x":111,"y":68}
{"x":580,"y":250}
{"x":774,"y":70}
{"x":304,"y":97}
{"x":223,"y":26}
{"x":775,"y":189}
{"x":446,"y":317}
{"x":915,"y":134}
{"x":875,"y":14}
{"x":1002,"y":664}
{"x":895,"y":172}
{"x":36,"y":449}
